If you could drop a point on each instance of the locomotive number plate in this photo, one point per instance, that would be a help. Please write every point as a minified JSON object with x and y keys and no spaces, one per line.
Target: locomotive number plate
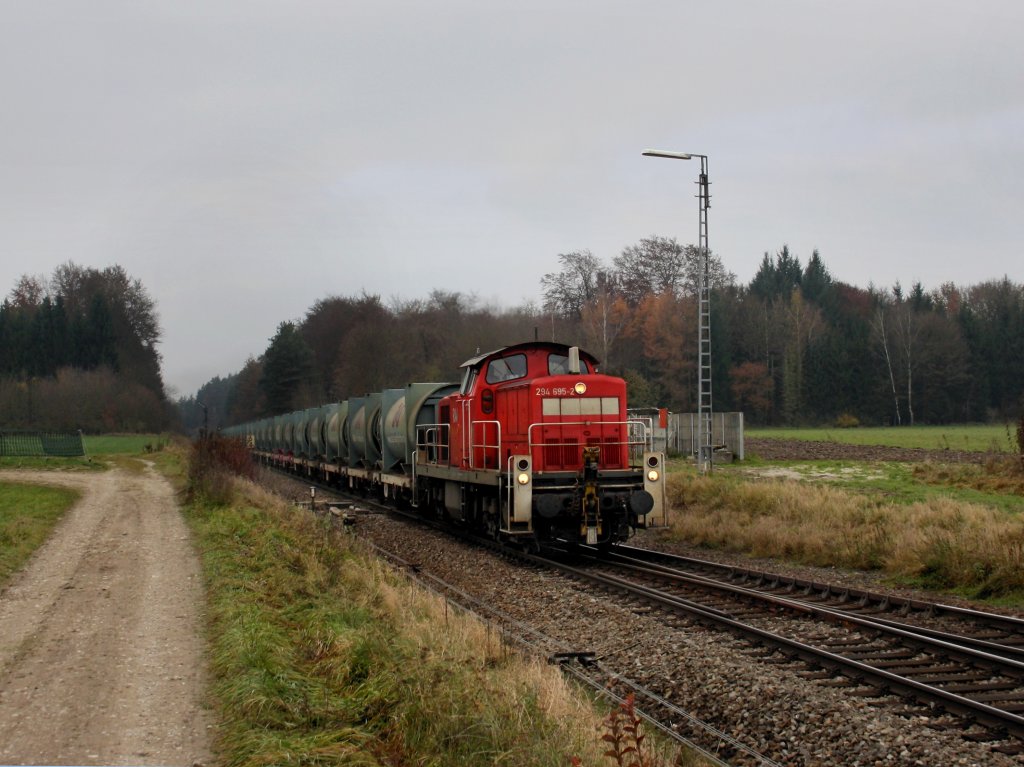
{"x":557,"y":391}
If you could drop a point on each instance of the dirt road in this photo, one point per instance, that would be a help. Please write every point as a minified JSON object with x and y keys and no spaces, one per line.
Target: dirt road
{"x":101,"y":656}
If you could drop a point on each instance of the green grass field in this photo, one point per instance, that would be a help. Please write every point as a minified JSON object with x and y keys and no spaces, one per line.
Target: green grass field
{"x":27,"y":514}
{"x":978,"y":438}
{"x":121,"y":444}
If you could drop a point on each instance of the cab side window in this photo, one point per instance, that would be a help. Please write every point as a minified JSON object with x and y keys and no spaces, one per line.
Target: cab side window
{"x":469,"y":380}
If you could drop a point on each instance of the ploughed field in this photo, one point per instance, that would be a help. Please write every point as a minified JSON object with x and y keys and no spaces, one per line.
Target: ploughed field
{"x":782,"y":449}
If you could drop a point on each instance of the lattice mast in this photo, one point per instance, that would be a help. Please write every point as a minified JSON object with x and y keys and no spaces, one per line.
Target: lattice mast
{"x":704,"y":402}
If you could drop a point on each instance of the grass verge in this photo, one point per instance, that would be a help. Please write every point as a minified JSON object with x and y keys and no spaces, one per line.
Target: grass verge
{"x":323,"y":655}
{"x":937,"y":542}
{"x":27,"y":515}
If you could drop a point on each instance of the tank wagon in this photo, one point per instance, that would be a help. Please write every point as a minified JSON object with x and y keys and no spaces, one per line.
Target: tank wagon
{"x":533,"y":444}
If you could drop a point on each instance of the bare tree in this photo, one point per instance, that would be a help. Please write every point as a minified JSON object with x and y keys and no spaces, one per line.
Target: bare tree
{"x":604,"y":317}
{"x":28,"y":292}
{"x":879,"y":327}
{"x":566,"y":292}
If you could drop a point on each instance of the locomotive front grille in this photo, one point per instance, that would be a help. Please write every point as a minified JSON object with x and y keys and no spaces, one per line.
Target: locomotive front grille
{"x":562,"y":454}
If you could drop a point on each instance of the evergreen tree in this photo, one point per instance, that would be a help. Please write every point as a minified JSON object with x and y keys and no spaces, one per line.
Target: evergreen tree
{"x":777,"y":276}
{"x":816,"y":283}
{"x":287,"y":367}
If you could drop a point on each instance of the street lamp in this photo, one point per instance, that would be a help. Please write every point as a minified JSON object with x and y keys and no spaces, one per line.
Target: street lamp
{"x":703,"y":309}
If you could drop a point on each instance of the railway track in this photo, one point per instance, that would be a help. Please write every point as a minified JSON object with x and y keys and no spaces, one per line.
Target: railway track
{"x":961,"y":668}
{"x":981,"y":681}
{"x":990,"y":632}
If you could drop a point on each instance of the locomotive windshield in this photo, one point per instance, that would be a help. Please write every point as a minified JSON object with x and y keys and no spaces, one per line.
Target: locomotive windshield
{"x":558,"y":365}
{"x":506,"y":368}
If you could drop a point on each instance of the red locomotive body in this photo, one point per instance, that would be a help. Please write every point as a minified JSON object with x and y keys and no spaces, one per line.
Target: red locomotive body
{"x":537,"y":443}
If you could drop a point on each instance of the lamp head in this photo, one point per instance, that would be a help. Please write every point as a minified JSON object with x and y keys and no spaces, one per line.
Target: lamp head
{"x":669,"y":155}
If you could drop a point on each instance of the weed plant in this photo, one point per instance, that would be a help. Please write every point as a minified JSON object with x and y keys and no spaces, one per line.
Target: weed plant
{"x":627,"y":745}
{"x":938,"y":542}
{"x":323,"y":655}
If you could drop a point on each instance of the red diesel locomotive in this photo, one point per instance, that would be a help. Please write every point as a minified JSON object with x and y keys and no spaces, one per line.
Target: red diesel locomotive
{"x":534,"y":444}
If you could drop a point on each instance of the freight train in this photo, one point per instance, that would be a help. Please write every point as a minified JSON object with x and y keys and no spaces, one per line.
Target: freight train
{"x":533,"y":445}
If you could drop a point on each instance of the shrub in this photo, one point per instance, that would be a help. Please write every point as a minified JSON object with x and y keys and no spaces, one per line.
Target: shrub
{"x":212,"y":463}
{"x":1020,"y":438}
{"x":847,"y":421}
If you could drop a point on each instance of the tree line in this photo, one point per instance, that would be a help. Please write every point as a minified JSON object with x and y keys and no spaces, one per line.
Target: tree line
{"x":346,"y":346}
{"x":79,"y":351}
{"x":794,"y":346}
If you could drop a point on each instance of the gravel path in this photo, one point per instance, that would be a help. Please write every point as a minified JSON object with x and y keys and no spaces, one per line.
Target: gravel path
{"x":101,"y":657}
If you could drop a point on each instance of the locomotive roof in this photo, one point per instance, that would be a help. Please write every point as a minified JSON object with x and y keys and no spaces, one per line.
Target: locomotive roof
{"x":550,"y":345}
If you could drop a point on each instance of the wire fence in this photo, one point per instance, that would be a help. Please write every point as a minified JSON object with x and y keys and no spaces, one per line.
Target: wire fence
{"x":31,"y":443}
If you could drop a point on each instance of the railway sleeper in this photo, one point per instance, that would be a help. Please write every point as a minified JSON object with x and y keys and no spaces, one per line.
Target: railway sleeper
{"x":1008,"y":697}
{"x":869,"y":691}
{"x":880,"y":654}
{"x":996,"y":690}
{"x":952,"y":678}
{"x":847,"y":642}
{"x":1010,"y":748}
{"x":908,"y":667}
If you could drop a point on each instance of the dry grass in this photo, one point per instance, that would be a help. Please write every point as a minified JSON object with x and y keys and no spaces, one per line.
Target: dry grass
{"x":940,"y":542}
{"x":997,"y":475}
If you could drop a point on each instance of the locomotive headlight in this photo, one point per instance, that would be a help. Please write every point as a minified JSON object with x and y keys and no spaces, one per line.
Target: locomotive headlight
{"x":523,"y":478}
{"x":653,"y":475}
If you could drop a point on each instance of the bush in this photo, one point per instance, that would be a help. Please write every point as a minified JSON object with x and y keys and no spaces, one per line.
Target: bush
{"x":212,"y":463}
{"x":847,"y":421}
{"x":1020,"y":438}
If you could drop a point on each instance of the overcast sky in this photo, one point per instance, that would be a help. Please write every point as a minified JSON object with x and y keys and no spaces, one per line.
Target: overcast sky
{"x":244,"y":159}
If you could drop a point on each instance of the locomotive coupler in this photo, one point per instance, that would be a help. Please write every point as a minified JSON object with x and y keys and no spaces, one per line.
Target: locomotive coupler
{"x":590,"y":524}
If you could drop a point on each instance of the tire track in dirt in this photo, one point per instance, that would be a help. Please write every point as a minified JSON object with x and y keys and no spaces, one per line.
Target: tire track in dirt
{"x":101,"y":650}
